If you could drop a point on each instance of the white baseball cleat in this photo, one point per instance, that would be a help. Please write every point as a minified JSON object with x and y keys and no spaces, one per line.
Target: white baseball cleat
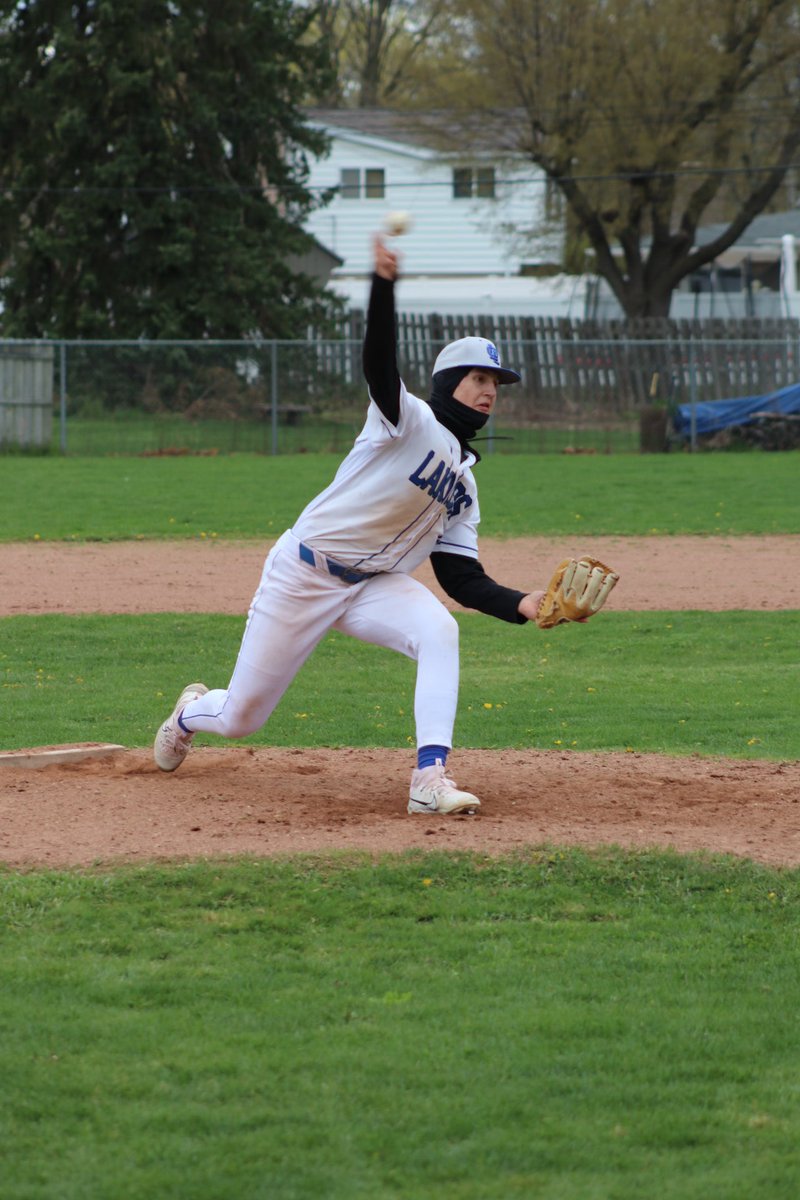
{"x":431,"y":791}
{"x":172,"y":743}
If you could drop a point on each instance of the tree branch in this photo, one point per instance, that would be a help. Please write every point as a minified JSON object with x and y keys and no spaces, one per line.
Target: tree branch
{"x":753,"y":204}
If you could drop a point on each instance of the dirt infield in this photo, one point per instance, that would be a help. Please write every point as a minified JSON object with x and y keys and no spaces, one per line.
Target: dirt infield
{"x":231,"y":800}
{"x":210,"y":576}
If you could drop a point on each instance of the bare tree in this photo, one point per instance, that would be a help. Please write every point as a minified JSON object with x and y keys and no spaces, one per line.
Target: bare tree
{"x":648,"y":115}
{"x":378,"y":45}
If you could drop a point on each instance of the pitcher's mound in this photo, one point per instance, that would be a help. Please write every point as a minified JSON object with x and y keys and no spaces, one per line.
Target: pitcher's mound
{"x":48,"y":756}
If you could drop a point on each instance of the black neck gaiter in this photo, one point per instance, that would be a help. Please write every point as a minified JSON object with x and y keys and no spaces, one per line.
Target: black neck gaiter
{"x":459,"y":418}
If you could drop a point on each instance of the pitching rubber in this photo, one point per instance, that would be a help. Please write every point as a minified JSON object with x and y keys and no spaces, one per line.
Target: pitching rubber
{"x":48,"y":756}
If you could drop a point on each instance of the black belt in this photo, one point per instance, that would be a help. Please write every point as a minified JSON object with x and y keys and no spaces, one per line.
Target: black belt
{"x":346,"y":574}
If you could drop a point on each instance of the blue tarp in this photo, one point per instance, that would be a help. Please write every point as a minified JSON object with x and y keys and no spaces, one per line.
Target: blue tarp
{"x":712,"y":415}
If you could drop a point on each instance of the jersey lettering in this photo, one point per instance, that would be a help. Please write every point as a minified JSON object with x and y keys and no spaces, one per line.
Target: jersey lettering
{"x":417,"y":478}
{"x":460,"y":499}
{"x":445,"y":487}
{"x":432,"y":481}
{"x":443,"y":484}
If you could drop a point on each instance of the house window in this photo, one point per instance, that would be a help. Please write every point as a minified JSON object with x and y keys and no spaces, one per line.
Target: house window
{"x":355,"y":183}
{"x":484,"y":182}
{"x":373,"y":183}
{"x":469,"y":182}
{"x":349,"y":183}
{"x":462,"y":183}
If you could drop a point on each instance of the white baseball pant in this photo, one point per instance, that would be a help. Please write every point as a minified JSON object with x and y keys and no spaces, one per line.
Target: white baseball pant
{"x":294,"y":607}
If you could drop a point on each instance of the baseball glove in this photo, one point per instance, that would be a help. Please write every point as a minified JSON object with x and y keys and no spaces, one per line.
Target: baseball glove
{"x":579,"y":588}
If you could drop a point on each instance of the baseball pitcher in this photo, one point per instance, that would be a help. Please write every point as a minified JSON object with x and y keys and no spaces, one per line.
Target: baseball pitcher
{"x":405,"y":492}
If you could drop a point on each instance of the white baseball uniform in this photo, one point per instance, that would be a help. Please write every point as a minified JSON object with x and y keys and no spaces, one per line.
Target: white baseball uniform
{"x":402,"y":492}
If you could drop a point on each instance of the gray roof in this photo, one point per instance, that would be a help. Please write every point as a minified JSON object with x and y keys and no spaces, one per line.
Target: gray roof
{"x":441,"y":130}
{"x":375,"y":122}
{"x":768,"y":227}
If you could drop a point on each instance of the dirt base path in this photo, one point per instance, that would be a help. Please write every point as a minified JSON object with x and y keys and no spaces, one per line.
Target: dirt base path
{"x":211,"y":576}
{"x":231,"y":800}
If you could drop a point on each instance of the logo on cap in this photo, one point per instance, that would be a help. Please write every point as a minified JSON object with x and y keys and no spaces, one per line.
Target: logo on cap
{"x":491,"y":350}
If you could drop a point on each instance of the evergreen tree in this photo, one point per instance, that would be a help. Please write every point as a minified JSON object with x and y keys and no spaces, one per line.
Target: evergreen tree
{"x":153,"y":174}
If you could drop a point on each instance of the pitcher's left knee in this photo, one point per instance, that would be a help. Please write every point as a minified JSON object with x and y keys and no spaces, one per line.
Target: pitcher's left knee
{"x":441,"y":632}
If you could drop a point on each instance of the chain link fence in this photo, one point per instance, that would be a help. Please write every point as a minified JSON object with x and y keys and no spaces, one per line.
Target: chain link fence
{"x":281,"y":397}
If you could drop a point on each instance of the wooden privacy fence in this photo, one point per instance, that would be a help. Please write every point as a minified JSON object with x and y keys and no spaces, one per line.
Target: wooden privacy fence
{"x":611,"y":364}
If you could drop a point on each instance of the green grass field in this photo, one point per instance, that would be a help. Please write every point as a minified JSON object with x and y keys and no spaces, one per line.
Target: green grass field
{"x":551,"y":1024}
{"x":676,"y":683}
{"x":250,"y":496}
{"x":131,"y":432}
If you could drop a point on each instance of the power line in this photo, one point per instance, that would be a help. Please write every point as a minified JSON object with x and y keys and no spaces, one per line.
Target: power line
{"x":276,"y":191}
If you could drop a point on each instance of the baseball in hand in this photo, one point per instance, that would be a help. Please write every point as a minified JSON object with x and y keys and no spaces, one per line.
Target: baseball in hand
{"x":397,"y":223}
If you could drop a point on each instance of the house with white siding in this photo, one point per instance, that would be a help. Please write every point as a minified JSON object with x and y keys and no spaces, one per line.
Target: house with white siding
{"x":482,"y":223}
{"x":488,"y":228}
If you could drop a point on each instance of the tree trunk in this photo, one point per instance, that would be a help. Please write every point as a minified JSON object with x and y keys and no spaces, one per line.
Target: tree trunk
{"x":638,"y":304}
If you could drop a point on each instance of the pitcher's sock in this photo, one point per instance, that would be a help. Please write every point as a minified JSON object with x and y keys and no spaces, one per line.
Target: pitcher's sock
{"x":427,"y":756}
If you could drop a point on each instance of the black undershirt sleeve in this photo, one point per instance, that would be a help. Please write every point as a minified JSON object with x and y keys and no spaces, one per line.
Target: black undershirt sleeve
{"x":379,"y":353}
{"x":466,"y":582}
{"x":463,"y":579}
